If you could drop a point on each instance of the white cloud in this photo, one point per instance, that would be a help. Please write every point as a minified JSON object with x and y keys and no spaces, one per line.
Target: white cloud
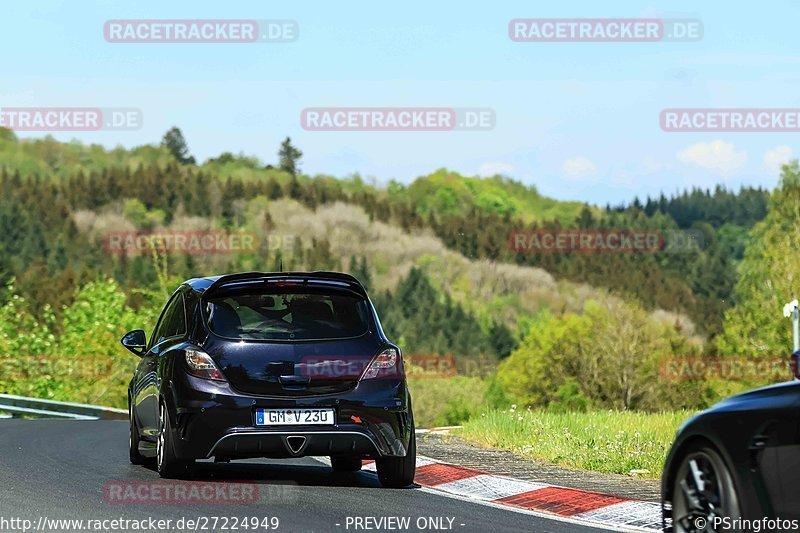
{"x":718,"y":157}
{"x":578,"y":168}
{"x":775,"y":158}
{"x":650,"y":165}
{"x":631,"y":175}
{"x":491,"y":169}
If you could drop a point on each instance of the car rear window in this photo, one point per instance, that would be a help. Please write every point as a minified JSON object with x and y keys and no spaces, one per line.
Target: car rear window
{"x":287,"y":316}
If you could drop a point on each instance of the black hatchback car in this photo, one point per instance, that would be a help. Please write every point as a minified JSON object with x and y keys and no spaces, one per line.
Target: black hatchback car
{"x":277,"y":365}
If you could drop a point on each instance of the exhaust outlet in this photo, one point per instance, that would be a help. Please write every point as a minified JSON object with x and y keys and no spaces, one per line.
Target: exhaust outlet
{"x":295,"y":443}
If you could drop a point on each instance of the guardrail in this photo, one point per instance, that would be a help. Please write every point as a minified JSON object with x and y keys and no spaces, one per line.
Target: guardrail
{"x":37,"y":407}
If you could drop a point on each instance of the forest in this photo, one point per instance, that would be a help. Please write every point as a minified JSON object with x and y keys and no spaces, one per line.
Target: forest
{"x":552,"y":330}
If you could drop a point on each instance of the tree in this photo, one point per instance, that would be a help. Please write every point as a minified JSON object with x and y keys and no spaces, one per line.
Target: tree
{"x":768,"y":278}
{"x":175,"y":142}
{"x":289,"y":157}
{"x":360,"y":270}
{"x":612,"y":351}
{"x":8,"y":135}
{"x":502,"y":340}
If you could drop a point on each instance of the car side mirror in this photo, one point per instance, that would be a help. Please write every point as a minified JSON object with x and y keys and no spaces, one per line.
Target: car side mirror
{"x":135,"y":341}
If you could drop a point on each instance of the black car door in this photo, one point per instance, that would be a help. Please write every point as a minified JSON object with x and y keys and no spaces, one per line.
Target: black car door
{"x":774,"y":452}
{"x":787,"y":504}
{"x":147,"y":376}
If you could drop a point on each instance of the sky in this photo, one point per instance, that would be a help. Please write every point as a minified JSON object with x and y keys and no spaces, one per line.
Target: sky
{"x":579,"y":120}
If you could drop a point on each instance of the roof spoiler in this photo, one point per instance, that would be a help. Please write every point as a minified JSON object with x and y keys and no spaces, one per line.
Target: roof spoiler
{"x":303,"y":278}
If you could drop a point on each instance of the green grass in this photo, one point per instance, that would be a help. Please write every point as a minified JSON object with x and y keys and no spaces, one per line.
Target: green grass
{"x":446,"y":401}
{"x":604,"y":441}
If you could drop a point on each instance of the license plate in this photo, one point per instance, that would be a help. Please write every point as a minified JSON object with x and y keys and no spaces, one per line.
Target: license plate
{"x":295,"y":417}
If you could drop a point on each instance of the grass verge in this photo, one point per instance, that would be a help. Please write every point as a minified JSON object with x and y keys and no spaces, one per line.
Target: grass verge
{"x":616,"y":442}
{"x":447,"y":401}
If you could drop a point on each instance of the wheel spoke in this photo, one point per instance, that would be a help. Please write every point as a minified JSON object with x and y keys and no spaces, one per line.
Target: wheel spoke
{"x":691,"y":497}
{"x":685,"y":521}
{"x":697,"y":475}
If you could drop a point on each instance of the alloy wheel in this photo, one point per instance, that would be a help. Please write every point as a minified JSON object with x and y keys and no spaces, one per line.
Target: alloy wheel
{"x":702,"y":492}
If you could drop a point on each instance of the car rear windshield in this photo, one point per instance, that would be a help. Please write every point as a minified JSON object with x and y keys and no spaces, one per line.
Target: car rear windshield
{"x":287,"y":316}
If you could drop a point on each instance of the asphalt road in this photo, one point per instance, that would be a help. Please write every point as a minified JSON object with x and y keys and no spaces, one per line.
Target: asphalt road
{"x":59,"y":470}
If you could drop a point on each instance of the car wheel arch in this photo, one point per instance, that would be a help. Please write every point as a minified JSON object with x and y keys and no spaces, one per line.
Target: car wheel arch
{"x":167,"y":397}
{"x":693,"y":442}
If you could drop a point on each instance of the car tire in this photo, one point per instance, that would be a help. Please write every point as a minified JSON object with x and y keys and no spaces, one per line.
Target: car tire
{"x":133,"y":440}
{"x":167,"y":463}
{"x":702,"y":487}
{"x":398,"y":472}
{"x":342,"y":463}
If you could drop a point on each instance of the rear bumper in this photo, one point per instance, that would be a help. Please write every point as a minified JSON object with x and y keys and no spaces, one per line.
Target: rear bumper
{"x":213,"y":420}
{"x":295,"y":444}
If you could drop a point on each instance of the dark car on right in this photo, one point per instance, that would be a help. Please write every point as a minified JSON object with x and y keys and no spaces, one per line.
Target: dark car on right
{"x":736,"y":466}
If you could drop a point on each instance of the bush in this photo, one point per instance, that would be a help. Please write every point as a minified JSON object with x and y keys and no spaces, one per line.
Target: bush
{"x":89,"y":342}
{"x":608,"y":358}
{"x":569,"y":398}
{"x":446,"y":402}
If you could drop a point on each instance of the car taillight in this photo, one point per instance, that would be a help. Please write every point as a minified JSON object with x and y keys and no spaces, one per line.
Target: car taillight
{"x":201,"y":365}
{"x":387,"y":364}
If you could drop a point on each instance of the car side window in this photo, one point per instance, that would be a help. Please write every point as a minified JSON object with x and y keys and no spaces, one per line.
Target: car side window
{"x":176,"y":325}
{"x":173,"y":321}
{"x":159,"y":327}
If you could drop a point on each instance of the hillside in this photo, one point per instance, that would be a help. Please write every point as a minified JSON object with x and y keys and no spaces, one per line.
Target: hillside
{"x":435,"y":255}
{"x":471,"y":216}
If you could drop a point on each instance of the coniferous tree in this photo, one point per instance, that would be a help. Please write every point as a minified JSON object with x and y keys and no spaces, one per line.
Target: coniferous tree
{"x":175,"y":142}
{"x":289,"y":157}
